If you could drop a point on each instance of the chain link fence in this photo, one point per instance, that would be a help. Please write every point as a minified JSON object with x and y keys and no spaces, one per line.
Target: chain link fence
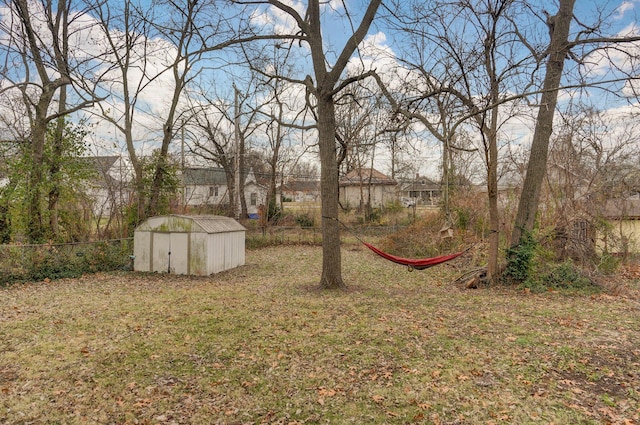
{"x":20,"y":263}
{"x":283,"y":235}
{"x":23,"y":263}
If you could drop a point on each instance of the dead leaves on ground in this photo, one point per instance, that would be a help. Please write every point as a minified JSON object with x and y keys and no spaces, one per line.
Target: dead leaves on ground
{"x":253,"y":347}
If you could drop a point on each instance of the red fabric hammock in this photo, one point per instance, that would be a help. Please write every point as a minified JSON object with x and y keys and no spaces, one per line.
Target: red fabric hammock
{"x":418,"y":264}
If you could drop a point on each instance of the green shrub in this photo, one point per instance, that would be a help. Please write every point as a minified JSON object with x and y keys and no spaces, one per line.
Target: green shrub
{"x":107,"y":256}
{"x":373,"y":215}
{"x":564,"y":276}
{"x":608,"y":264}
{"x":393,"y":206}
{"x":51,"y":267}
{"x":305,"y":220}
{"x":39,"y":262}
{"x":519,"y":260}
{"x":463,"y":216}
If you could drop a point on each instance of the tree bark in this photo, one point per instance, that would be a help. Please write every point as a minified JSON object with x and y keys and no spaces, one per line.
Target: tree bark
{"x":55,"y":166}
{"x":559,"y":26}
{"x":331,"y":257}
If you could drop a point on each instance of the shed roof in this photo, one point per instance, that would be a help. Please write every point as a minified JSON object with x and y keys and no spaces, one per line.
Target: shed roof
{"x":191,"y":224}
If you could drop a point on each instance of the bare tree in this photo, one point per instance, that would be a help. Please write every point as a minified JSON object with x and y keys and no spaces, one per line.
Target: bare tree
{"x":463,"y":59}
{"x":277,"y":113}
{"x":361,"y":122}
{"x":162,"y":47}
{"x":560,"y":48}
{"x":223,"y":129}
{"x":41,"y":65}
{"x":214,"y":143}
{"x":592,"y":160}
{"x":129,"y":54}
{"x":325,"y":84}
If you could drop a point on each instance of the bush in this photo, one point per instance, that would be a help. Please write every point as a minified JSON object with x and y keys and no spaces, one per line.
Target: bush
{"x":609,"y":264}
{"x":463,"y":216}
{"x":564,"y":276}
{"x":519,"y":260}
{"x":305,"y":220}
{"x":39,"y":262}
{"x":374,"y":215}
{"x":422,"y":239}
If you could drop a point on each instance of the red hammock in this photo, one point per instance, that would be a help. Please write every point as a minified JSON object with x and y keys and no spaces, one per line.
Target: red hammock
{"x":418,"y":264}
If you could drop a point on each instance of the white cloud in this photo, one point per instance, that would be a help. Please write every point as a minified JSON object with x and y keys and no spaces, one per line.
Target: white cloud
{"x":625,"y":7}
{"x":280,"y":21}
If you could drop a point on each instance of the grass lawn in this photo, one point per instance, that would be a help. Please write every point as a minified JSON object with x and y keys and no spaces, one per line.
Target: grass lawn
{"x":260,"y":344}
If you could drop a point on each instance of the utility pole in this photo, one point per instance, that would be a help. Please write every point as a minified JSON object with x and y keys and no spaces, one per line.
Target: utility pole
{"x":236,"y":206}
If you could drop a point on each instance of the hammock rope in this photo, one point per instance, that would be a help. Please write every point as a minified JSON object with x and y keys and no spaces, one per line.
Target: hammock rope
{"x":411,"y":263}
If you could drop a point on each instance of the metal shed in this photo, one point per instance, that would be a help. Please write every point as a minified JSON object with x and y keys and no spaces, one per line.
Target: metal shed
{"x":194,"y":245}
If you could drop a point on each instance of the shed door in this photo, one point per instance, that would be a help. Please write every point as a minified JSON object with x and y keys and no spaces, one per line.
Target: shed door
{"x":177,"y":244}
{"x":160,"y":243}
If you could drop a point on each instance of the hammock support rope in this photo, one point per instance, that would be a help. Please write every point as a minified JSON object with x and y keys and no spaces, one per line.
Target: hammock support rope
{"x":411,"y":263}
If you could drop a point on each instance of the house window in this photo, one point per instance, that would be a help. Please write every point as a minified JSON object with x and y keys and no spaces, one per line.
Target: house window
{"x":188,"y":194}
{"x":254,"y":199}
{"x":213,"y":191}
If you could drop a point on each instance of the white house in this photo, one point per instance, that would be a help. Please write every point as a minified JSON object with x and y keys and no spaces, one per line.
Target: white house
{"x":208,"y":187}
{"x":109,"y":188}
{"x":364,"y":186}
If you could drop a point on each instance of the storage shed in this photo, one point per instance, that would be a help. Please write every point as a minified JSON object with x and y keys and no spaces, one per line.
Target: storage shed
{"x":193,"y":245}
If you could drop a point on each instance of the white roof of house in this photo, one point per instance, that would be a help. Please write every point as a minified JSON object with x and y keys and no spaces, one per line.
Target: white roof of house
{"x":190,"y":224}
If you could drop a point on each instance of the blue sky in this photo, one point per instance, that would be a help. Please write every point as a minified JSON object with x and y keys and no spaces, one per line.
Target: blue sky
{"x":337,"y":28}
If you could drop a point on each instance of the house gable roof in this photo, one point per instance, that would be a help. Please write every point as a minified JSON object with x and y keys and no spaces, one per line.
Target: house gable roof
{"x":101,"y":169}
{"x":205,"y":177}
{"x":366,"y":176}
{"x":100,"y":164}
{"x":307,"y":186}
{"x":420,"y":184}
{"x":621,"y":209}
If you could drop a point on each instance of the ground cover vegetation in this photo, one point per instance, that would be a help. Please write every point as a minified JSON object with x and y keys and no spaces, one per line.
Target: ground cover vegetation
{"x":261,"y":344}
{"x":25,"y":263}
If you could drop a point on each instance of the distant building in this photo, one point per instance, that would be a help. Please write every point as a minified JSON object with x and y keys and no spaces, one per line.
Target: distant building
{"x":109,"y":188}
{"x":364,"y":186}
{"x":208,"y":187}
{"x":624,"y":217}
{"x":205,"y":186}
{"x":301,"y":190}
{"x":420,"y":190}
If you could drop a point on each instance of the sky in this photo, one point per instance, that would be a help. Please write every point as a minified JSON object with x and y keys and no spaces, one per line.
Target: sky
{"x":381,"y":50}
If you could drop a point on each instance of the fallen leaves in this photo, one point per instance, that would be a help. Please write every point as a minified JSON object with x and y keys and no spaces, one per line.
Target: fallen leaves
{"x":257,"y":346}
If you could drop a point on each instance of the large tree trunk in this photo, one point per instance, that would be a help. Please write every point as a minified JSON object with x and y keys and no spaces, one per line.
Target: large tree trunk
{"x":331,"y":257}
{"x":160,"y":174}
{"x":559,"y":26}
{"x":140,"y":196}
{"x":35,"y":226}
{"x":494,"y":215}
{"x":55,"y":166}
